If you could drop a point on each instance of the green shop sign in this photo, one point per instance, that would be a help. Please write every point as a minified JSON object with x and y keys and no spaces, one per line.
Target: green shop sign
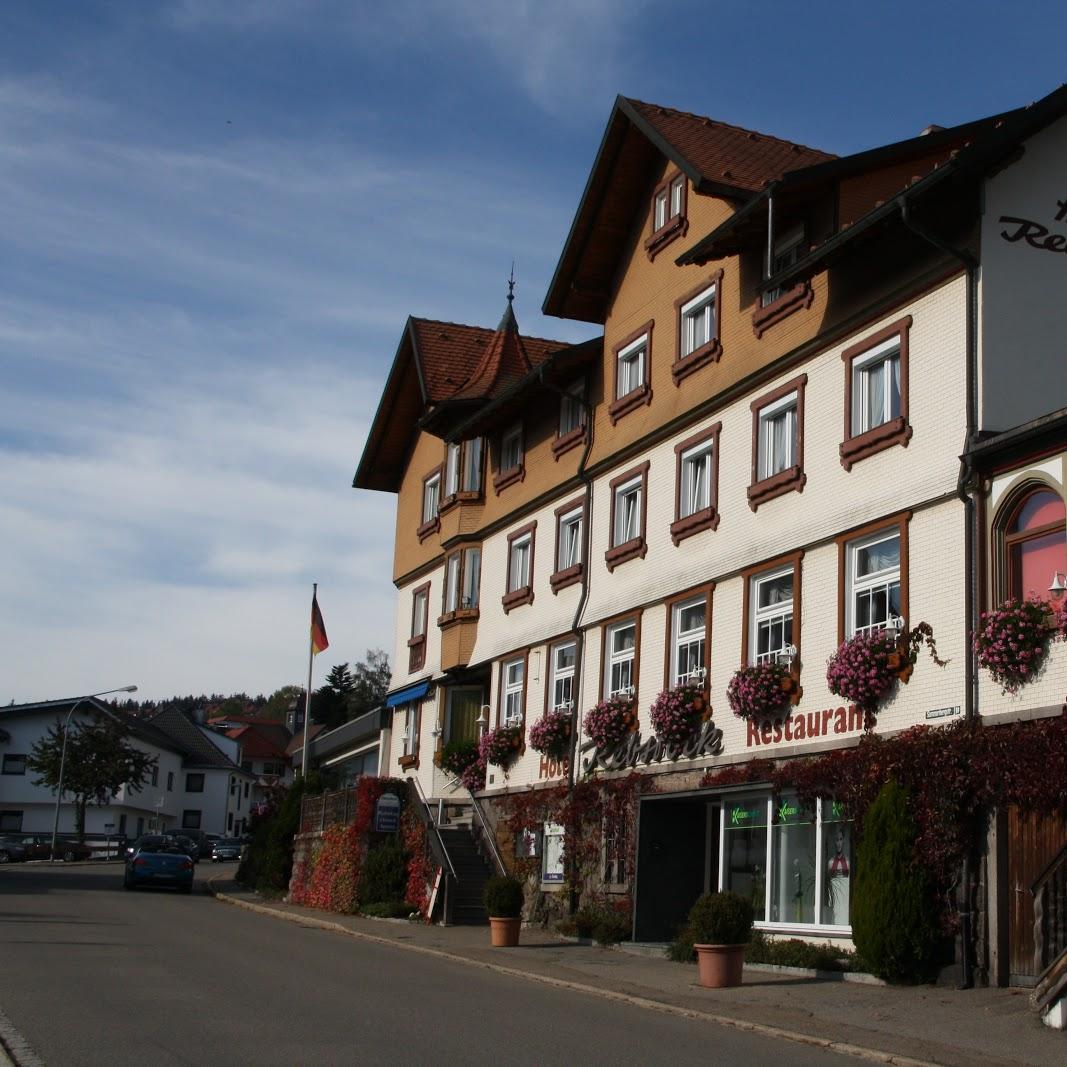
{"x":739,"y":817}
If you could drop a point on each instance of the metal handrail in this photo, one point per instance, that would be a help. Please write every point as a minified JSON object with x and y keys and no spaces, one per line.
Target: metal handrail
{"x":436,"y":831}
{"x":488,"y":835}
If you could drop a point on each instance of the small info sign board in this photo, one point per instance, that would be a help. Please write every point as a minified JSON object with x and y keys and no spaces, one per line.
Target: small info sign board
{"x":387,"y":814}
{"x":943,"y":713}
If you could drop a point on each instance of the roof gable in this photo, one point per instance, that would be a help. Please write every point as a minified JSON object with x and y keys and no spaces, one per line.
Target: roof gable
{"x":719,"y":159}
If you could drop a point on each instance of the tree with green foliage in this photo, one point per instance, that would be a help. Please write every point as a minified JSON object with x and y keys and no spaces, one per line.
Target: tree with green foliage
{"x":99,"y":761}
{"x":277,"y":705}
{"x":892,"y":910}
{"x":371,"y":682}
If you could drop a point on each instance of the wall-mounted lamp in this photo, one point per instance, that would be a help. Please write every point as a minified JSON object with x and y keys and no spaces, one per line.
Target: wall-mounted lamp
{"x":895,"y":622}
{"x":1059,"y":583}
{"x":483,"y":718}
{"x":787,"y":655}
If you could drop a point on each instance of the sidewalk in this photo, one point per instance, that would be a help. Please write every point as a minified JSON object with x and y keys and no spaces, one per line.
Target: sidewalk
{"x":890,"y":1024}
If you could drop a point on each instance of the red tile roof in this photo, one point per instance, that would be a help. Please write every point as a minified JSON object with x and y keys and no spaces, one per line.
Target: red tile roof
{"x":729,"y":155}
{"x":255,"y":745}
{"x":455,"y":358}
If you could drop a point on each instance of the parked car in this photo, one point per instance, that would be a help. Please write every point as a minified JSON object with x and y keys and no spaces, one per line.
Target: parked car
{"x":198,"y":837}
{"x":227,"y":848}
{"x":11,"y":850}
{"x":39,"y":847}
{"x":160,"y":862}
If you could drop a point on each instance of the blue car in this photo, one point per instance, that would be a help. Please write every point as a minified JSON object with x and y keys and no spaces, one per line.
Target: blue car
{"x":162,"y":863}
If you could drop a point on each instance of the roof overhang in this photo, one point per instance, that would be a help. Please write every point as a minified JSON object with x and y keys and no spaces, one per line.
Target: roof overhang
{"x":401,"y":405}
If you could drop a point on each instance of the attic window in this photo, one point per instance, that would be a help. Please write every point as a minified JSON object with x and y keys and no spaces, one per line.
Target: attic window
{"x":668,"y":213}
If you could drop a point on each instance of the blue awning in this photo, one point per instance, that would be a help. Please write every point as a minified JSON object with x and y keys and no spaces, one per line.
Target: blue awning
{"x":405,"y":696}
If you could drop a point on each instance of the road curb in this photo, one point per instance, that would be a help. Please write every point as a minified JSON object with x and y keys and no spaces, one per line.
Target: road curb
{"x":842,"y":1047}
{"x":14,"y":1049}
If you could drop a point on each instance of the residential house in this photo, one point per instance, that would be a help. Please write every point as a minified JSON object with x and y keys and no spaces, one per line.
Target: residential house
{"x":758,"y":459}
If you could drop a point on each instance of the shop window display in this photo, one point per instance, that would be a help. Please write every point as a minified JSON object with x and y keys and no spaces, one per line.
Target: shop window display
{"x":794,"y":863}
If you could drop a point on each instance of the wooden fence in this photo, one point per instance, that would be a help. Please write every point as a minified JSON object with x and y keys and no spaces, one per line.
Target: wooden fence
{"x":336,"y":808}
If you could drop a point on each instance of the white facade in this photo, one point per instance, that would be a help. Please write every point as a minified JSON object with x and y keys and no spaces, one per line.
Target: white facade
{"x":919,"y":479}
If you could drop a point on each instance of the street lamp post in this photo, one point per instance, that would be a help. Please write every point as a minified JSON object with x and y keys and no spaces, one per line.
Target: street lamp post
{"x":63,"y":754}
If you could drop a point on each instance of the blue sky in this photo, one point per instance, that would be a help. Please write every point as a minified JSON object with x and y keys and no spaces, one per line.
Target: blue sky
{"x":215,"y":216}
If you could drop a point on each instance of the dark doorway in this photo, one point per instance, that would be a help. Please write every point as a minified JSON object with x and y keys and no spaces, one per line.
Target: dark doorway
{"x":672,"y":858}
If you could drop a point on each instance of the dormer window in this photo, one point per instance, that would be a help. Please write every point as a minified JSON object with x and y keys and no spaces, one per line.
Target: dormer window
{"x":668,"y":213}
{"x":463,"y":470}
{"x":787,"y":250}
{"x":571,"y":419}
{"x":510,"y":467}
{"x":777,"y":303}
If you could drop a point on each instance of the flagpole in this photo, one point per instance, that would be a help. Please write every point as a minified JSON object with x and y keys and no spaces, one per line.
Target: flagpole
{"x":307,"y":697}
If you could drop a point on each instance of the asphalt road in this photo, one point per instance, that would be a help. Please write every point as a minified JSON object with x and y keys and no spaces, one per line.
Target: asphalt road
{"x":91,"y":974}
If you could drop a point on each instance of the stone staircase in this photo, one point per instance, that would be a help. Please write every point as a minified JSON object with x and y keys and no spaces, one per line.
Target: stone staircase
{"x":472,"y":872}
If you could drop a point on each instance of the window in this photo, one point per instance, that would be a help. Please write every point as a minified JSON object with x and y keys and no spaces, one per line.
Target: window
{"x":632,"y":358}
{"x":772,"y":616}
{"x":472,"y":466}
{"x":628,"y":506}
{"x":11,"y":820}
{"x":876,"y":393}
{"x":777,"y":437}
{"x":620,"y":660}
{"x":233,"y":785}
{"x":571,"y":410}
{"x":190,"y":820}
{"x":471,"y":577}
{"x":569,"y":544}
{"x":462,"y":575}
{"x":1034,"y":544}
{"x":696,"y":489}
{"x":420,"y":602}
{"x":194,"y":783}
{"x":792,"y":861}
{"x":170,"y":781}
{"x":431,"y":504}
{"x":771,"y":613}
{"x":451,"y":590}
{"x":510,"y":467}
{"x":777,"y":443}
{"x":616,"y":839}
{"x":697,"y":316}
{"x":463,"y":711}
{"x":668,"y":219}
{"x":14,"y":763}
{"x":688,"y":640}
{"x":561,"y":684}
{"x":246,"y":791}
{"x":873,"y":582}
{"x":520,"y":567}
{"x":453,"y":456}
{"x":409,"y":738}
{"x":788,"y":250}
{"x":155,"y":774}
{"x":513,"y":692}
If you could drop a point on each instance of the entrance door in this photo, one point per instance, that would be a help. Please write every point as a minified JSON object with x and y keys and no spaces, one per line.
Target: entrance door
{"x":464,"y":706}
{"x":671,"y":864}
{"x":1033,"y":840}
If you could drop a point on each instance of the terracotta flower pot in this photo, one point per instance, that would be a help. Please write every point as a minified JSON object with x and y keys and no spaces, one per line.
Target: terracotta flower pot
{"x":504,"y":932}
{"x":720,"y":966}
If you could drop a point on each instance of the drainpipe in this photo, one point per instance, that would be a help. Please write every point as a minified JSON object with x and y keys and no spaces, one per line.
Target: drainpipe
{"x":965,"y":491}
{"x":579,"y":635}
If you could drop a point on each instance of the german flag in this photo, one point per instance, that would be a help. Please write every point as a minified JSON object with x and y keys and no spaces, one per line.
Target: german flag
{"x":319,"y":641}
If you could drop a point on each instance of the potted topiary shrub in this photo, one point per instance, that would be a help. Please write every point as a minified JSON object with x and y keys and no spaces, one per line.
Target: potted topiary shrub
{"x":720,"y":925}
{"x":503,"y":902}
